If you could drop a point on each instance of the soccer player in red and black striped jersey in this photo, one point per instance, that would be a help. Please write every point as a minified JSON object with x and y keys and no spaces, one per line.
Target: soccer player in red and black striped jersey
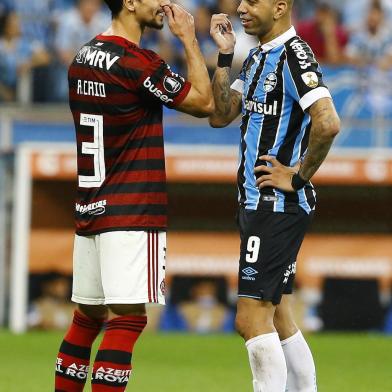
{"x":117,"y":91}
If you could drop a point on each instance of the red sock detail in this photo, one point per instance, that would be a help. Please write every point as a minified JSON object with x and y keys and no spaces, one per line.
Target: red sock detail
{"x":112,"y":366}
{"x":74,"y":357}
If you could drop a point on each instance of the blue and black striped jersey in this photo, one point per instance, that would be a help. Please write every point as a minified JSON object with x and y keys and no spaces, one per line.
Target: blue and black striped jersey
{"x":279,"y":81}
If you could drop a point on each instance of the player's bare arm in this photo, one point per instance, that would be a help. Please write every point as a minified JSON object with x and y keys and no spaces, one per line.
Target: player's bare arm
{"x":227,"y":101}
{"x":199,"y":101}
{"x":325,"y":126}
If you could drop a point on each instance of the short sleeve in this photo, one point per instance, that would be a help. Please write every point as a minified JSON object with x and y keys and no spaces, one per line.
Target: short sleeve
{"x":303,"y":76}
{"x":159,"y":83}
{"x":239,"y":83}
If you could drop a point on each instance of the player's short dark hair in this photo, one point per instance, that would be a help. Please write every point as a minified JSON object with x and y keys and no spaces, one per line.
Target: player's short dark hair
{"x":115,"y":6}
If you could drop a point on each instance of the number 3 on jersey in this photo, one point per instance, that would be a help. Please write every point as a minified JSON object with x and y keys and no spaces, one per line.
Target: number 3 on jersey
{"x":96,"y":149}
{"x":253,"y":249}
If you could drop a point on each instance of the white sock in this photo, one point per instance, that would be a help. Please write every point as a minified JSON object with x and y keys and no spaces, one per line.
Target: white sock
{"x":301,"y":372}
{"x":267,"y":362}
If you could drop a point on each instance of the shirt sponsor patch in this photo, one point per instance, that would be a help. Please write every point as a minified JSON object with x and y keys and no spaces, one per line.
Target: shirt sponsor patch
{"x":171,"y":85}
{"x":310,"y":79}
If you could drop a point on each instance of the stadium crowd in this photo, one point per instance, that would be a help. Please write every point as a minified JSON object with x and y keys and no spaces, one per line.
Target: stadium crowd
{"x":38,"y":38}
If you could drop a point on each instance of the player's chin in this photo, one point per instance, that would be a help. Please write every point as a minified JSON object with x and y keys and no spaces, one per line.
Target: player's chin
{"x":251,"y":30}
{"x":156,"y":24}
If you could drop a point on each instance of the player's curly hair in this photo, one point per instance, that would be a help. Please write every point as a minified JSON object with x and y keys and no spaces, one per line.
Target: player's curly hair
{"x":115,"y":6}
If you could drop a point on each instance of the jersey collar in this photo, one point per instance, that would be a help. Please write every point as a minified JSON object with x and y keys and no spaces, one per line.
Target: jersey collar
{"x":278,"y":41}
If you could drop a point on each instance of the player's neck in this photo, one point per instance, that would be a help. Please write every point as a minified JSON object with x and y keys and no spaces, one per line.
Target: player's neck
{"x":125,"y":29}
{"x":276,"y":31}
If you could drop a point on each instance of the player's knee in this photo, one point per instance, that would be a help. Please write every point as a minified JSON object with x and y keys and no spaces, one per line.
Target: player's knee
{"x":128,"y":310}
{"x":254,"y":318}
{"x":94,"y":311}
{"x":240,"y":326}
{"x":285,"y":326}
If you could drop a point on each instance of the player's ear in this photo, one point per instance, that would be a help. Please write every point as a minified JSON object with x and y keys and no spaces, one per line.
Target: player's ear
{"x":129,"y":5}
{"x":280,"y":9}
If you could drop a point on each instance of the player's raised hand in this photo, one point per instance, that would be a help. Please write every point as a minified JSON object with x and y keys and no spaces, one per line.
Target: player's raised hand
{"x":222,"y":33}
{"x":277,"y":175}
{"x":181,"y":22}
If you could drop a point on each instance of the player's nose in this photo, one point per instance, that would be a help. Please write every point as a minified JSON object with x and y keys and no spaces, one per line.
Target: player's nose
{"x":162,"y":3}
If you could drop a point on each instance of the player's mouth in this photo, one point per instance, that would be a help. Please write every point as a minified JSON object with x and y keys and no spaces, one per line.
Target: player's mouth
{"x":161,"y":13}
{"x":246,"y":22}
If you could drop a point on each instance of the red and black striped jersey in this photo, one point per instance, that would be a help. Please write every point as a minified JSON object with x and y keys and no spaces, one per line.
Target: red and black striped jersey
{"x":116,"y":93}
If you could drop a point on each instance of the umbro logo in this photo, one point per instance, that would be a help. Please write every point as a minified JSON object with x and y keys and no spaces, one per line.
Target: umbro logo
{"x":249,"y":271}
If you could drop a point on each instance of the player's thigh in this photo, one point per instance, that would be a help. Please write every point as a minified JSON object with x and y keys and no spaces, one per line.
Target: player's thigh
{"x":86,"y":287}
{"x":269,"y":246}
{"x":254,"y":317}
{"x":133,"y":267}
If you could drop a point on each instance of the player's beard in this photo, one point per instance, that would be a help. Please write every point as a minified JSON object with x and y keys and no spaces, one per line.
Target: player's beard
{"x":154,"y":23}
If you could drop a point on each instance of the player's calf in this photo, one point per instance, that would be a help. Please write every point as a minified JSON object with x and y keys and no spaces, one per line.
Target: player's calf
{"x":112,"y":367}
{"x":72,"y":364}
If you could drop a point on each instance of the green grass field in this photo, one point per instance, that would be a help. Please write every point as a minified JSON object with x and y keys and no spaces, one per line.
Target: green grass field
{"x":191,"y":363}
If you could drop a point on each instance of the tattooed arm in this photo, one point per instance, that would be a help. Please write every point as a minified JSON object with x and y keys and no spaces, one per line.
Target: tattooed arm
{"x":325,"y":126}
{"x":227,"y":101}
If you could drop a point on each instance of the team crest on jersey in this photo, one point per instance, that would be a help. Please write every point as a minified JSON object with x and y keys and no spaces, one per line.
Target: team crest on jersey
{"x":310,"y":79}
{"x":171,"y":85}
{"x":270,"y":82}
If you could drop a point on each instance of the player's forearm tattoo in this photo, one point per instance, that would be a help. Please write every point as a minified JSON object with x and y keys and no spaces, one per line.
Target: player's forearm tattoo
{"x":221,"y":90}
{"x":324,"y":128}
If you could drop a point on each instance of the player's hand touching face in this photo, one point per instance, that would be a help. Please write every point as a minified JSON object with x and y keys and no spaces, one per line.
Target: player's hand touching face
{"x":181,"y":22}
{"x":275,"y":176}
{"x":222,"y":33}
{"x":150,"y":13}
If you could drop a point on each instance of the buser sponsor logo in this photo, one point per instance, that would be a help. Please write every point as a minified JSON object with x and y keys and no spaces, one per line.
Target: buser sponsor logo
{"x":158,"y":93}
{"x":262,"y":108}
{"x":301,"y":54}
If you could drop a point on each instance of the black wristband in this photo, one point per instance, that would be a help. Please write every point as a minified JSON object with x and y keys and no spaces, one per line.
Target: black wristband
{"x":225,"y":60}
{"x":297,"y":182}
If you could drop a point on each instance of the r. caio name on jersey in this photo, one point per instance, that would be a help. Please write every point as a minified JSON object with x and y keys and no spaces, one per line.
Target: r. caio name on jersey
{"x":96,"y":58}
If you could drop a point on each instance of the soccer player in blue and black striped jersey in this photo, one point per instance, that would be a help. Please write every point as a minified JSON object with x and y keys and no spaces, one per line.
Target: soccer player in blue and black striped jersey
{"x":288,"y":125}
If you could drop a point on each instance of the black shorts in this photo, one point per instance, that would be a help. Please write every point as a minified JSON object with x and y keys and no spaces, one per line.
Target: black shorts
{"x":270,"y":242}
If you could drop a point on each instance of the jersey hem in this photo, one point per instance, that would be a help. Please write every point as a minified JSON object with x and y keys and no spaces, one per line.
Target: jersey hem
{"x":293,"y":209}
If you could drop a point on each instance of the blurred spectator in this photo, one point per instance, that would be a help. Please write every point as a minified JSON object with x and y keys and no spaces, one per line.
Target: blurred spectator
{"x":371,"y":45}
{"x":370,"y":50}
{"x":325,"y":35}
{"x":52,"y":309}
{"x":76,"y":27}
{"x":200,"y":306}
{"x":202,"y":15}
{"x":18,"y":56}
{"x":354,"y":12}
{"x":203,"y":22}
{"x":35,"y":19}
{"x":161,"y":43}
